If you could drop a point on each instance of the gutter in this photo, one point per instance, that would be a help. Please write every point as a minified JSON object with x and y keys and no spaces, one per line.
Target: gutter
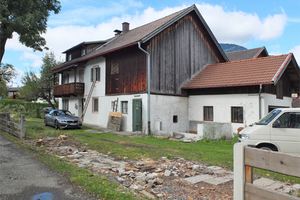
{"x":259,"y":100}
{"x":148,"y":85}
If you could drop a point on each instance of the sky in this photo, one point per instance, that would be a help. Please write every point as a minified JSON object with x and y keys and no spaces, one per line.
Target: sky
{"x":274,"y":24}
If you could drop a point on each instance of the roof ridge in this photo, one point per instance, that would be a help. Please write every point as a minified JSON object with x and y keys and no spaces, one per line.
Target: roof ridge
{"x":245,"y":50}
{"x":176,"y":13}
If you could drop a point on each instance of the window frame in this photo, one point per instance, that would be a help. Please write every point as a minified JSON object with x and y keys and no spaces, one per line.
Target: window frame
{"x":95,"y":74}
{"x":64,"y":103}
{"x":126,"y":107}
{"x":235,"y":114}
{"x":93,"y":105}
{"x":206,"y":115}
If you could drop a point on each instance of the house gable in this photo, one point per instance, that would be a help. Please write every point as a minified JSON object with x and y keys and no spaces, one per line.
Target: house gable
{"x":247,"y":54}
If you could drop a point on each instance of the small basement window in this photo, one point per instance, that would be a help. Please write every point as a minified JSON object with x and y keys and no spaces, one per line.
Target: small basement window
{"x":175,"y":119}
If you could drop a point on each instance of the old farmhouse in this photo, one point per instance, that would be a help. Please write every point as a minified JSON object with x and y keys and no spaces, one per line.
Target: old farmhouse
{"x":171,"y":75}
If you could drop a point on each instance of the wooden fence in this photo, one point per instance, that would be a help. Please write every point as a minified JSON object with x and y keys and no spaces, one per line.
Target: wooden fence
{"x":15,"y":129}
{"x":246,"y":158}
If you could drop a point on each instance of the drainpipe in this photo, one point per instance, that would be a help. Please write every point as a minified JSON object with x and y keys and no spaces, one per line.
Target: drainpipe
{"x":148,"y":84}
{"x":259,"y":100}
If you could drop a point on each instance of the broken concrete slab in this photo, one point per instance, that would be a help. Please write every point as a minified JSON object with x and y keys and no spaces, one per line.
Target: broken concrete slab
{"x":263,"y":182}
{"x":217,"y":180}
{"x":197,"y":179}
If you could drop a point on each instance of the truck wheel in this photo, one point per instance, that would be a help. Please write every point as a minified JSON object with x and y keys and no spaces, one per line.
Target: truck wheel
{"x":266,"y":148}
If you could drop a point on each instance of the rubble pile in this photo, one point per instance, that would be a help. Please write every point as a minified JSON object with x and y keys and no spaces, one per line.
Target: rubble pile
{"x":165,"y":178}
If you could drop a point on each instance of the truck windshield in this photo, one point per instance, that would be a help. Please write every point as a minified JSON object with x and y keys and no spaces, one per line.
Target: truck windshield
{"x":269,"y":117}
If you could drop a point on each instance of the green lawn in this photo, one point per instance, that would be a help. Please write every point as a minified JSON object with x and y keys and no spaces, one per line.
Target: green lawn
{"x":219,"y":153}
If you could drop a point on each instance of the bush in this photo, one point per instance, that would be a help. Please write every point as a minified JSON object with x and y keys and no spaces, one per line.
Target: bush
{"x":19,"y":107}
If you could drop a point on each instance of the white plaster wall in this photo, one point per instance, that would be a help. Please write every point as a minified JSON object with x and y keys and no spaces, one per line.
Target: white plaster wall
{"x":222,"y":108}
{"x":105,"y":106}
{"x":164,"y":107}
{"x":270,"y":100}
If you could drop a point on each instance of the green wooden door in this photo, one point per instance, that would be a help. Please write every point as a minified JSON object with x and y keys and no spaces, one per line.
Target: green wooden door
{"x":136,"y":115}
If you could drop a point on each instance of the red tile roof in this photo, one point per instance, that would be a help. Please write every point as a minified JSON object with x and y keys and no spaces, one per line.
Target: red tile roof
{"x":256,"y":71}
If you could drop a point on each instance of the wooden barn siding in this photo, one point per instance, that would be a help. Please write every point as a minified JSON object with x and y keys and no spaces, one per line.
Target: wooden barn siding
{"x":132,"y":72}
{"x":178,"y":54}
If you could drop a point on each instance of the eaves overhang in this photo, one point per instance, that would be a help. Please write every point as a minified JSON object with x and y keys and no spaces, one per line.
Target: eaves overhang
{"x":224,"y":86}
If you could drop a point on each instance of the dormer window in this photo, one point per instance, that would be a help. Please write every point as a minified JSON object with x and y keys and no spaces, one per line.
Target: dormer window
{"x":69,"y":57}
{"x":82,"y":52}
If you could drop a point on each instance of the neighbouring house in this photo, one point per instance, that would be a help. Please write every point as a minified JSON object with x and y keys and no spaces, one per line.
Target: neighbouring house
{"x":247,"y":54}
{"x":296,"y":102}
{"x":178,"y":51}
{"x":13,"y":92}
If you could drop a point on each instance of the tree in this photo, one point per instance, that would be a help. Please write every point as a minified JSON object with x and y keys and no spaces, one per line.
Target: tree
{"x":28,"y":18}
{"x":7,"y":73}
{"x":40,"y":87}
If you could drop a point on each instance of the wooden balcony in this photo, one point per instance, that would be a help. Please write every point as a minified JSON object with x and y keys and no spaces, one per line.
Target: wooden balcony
{"x":69,"y":89}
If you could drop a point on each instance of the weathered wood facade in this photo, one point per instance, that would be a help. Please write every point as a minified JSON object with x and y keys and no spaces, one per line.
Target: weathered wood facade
{"x":126,"y":71}
{"x":179,"y":53}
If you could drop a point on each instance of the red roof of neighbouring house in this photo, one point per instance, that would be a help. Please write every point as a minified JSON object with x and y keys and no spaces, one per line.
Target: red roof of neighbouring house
{"x":247,"y":54}
{"x":143,"y":34}
{"x":265,"y":70}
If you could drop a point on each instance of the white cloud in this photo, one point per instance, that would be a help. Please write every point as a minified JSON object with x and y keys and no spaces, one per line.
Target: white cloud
{"x":240,"y":28}
{"x":296,"y":52}
{"x":36,"y":59}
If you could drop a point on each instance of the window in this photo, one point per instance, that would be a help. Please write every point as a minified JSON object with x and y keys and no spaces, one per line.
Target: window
{"x":124,"y":107}
{"x":208,"y":113}
{"x":288,"y":120}
{"x":66,"y":78}
{"x":95,"y":105}
{"x":70,"y":57}
{"x":82,"y":52}
{"x":65,"y":104}
{"x":175,"y":119}
{"x":95,"y":73}
{"x":237,"y":115}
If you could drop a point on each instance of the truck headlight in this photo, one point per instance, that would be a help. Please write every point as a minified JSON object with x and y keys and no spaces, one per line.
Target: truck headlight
{"x":245,"y":136}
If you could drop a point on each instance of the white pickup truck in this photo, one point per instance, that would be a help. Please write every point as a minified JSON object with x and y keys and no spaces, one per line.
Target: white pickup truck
{"x":278,"y":131}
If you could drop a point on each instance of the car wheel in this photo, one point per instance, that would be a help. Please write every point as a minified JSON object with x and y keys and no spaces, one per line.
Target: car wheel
{"x":266,"y":148}
{"x":45,"y":122}
{"x":56,"y":125}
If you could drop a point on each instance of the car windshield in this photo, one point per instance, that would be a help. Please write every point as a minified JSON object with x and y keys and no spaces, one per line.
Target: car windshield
{"x":64,"y":112}
{"x":269,"y":117}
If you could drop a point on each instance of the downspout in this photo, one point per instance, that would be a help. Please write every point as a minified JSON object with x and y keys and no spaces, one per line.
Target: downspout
{"x":148,"y":84}
{"x":259,"y":100}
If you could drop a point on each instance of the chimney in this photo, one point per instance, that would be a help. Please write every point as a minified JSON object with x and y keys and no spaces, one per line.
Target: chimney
{"x":125,"y":27}
{"x":117,"y":32}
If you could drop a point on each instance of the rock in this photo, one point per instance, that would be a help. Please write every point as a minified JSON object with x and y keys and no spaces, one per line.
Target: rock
{"x":136,"y":187}
{"x":194,"y":167}
{"x":159,"y":181}
{"x":158,"y":170}
{"x":167,"y":173}
{"x":148,"y":194}
{"x":187,"y":141}
{"x":151,"y":176}
{"x":121,"y":180}
{"x":159,"y":195}
{"x":75,"y":156}
{"x":141,"y":179}
{"x":139,"y":164}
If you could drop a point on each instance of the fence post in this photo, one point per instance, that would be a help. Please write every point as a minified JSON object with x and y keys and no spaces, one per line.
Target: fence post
{"x":239,"y":171}
{"x":22,"y":131}
{"x":7,"y":121}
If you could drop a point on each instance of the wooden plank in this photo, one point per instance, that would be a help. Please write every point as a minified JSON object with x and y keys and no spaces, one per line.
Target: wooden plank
{"x":115,"y":114}
{"x":253,"y":192}
{"x":273,"y":161}
{"x":249,"y":174}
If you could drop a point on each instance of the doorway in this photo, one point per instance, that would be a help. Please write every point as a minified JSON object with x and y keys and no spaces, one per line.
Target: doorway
{"x":136,"y":115}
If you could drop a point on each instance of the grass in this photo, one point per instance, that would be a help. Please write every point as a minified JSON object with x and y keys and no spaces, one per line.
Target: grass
{"x":219,"y":153}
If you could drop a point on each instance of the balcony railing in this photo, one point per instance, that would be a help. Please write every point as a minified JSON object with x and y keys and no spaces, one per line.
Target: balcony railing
{"x":69,"y":89}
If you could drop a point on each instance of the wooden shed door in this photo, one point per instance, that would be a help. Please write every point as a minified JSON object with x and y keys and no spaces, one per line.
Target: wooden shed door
{"x":136,"y":115}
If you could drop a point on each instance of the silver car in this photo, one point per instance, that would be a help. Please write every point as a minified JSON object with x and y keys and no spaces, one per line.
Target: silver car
{"x":62,"y":119}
